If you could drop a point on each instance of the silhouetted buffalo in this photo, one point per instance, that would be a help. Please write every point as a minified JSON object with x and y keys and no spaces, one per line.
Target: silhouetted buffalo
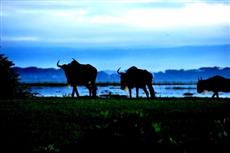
{"x":79,"y":74}
{"x":137,"y":78}
{"x":215,"y":84}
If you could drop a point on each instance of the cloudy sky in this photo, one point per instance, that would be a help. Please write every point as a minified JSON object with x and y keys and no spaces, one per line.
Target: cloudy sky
{"x":152,"y":34}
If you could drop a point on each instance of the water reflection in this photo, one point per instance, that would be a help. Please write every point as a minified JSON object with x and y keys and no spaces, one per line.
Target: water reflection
{"x":161,"y":91}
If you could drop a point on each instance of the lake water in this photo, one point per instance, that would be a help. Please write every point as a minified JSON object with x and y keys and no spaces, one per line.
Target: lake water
{"x":161,"y":91}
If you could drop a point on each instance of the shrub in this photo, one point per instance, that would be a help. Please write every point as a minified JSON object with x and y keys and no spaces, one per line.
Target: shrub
{"x":10,"y":87}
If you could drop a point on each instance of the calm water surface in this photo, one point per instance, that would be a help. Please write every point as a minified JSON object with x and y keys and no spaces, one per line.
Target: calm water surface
{"x":161,"y":91}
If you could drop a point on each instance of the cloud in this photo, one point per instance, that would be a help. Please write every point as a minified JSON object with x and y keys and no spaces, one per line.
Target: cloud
{"x":117,"y":22}
{"x":20,"y":38}
{"x":192,"y":15}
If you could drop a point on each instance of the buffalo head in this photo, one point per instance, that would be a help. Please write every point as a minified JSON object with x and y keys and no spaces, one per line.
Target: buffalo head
{"x":124,"y":79}
{"x":67,"y":69}
{"x":200,"y":86}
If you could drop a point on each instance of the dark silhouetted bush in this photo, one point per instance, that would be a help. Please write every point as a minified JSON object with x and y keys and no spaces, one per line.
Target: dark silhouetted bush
{"x":10,"y":87}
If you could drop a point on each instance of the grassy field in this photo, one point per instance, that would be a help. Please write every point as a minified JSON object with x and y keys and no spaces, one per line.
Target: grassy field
{"x":115,"y":125}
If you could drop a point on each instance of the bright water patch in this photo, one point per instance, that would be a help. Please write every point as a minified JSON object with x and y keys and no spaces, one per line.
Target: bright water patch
{"x":161,"y":91}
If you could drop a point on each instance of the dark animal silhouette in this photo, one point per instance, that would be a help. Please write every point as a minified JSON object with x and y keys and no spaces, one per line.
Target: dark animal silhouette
{"x":215,"y":84}
{"x":80,"y":74}
{"x":137,"y":78}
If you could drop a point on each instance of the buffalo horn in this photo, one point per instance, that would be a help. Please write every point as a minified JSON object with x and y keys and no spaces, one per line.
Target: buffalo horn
{"x":58,"y":65}
{"x":118,"y":71}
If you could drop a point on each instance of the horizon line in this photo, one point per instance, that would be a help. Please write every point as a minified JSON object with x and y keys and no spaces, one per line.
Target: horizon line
{"x":203,"y":67}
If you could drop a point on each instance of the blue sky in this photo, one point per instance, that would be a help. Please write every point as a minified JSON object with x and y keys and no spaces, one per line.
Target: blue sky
{"x":151,"y":34}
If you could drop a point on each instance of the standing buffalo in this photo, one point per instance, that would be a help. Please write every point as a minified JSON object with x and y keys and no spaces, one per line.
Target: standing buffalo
{"x":137,"y":78}
{"x":79,"y":74}
{"x":215,"y":84}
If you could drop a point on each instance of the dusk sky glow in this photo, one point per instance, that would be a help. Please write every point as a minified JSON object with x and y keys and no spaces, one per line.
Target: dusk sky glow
{"x":151,"y":34}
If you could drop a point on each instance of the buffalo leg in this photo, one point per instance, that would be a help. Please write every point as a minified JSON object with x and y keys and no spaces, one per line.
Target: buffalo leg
{"x":152,"y":92}
{"x":130,"y":92}
{"x":94,"y":90}
{"x":90,"y":92}
{"x":90,"y":89}
{"x":74,"y":90}
{"x":146,"y":92}
{"x":215,"y":94}
{"x":137,"y":92}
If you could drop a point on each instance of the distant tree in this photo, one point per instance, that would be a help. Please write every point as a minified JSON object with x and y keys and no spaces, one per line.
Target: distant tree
{"x":10,"y":87}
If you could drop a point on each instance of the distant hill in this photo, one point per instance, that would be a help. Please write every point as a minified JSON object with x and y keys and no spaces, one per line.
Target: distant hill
{"x":40,"y":75}
{"x":190,"y":76}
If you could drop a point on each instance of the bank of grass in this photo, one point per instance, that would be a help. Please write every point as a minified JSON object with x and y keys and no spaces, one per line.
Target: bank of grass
{"x":92,"y":125}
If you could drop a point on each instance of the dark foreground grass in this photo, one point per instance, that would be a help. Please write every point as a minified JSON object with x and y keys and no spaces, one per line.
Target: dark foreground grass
{"x":115,"y":125}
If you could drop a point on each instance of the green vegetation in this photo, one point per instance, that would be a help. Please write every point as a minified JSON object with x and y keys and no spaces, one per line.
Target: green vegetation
{"x":109,"y":125}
